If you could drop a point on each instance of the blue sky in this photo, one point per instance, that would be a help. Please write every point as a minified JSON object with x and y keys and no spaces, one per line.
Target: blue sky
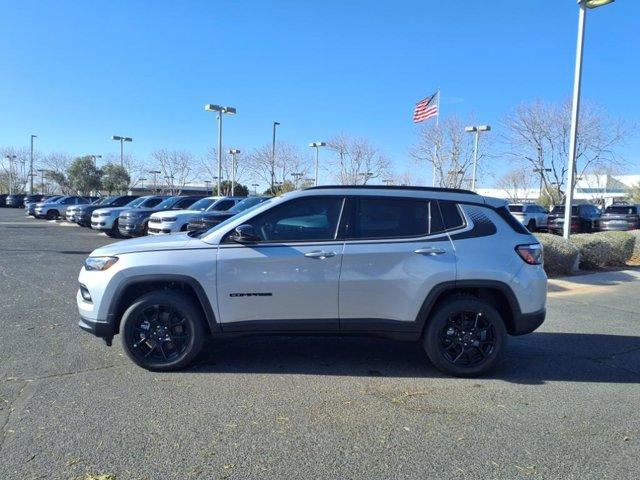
{"x":75,"y":73}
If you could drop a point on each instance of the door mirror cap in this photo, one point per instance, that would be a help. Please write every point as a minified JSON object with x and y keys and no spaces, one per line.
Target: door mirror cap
{"x":245,"y":234}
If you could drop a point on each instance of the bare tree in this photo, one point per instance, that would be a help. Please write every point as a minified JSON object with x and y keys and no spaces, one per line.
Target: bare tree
{"x":516,"y":183}
{"x":448,"y":149}
{"x":538,"y":133}
{"x":136,"y":168}
{"x":208,"y":166}
{"x":56,"y":165}
{"x":176,"y":167}
{"x":356,"y":161}
{"x":14,"y":167}
{"x":288,"y":160}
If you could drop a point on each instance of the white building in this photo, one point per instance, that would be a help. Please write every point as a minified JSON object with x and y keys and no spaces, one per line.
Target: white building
{"x":592,"y":188}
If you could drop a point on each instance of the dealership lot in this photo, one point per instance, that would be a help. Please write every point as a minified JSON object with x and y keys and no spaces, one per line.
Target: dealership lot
{"x":564,"y":404}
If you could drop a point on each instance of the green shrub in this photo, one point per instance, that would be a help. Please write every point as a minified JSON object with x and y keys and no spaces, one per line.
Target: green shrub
{"x":635,"y":258}
{"x":559,"y":255}
{"x":622,"y":243}
{"x":604,"y":249}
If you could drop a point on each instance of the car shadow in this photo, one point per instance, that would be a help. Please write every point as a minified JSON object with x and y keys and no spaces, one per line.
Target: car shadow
{"x":532,"y":359}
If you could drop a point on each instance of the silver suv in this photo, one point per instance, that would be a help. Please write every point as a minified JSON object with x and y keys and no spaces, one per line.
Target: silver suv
{"x":449,"y":268}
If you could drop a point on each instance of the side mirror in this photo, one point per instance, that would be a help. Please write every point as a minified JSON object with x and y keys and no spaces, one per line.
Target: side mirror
{"x":245,"y":234}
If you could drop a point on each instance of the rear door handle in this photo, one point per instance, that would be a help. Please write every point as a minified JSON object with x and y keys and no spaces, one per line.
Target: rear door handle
{"x":429,"y":251}
{"x":320,"y":254}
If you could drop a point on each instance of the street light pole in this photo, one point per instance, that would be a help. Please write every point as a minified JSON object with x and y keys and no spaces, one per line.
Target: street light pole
{"x":42,"y":170}
{"x":575,"y":109}
{"x":233,"y":152}
{"x":121,"y":139}
{"x":221,"y":111}
{"x":317,"y":146}
{"x":273,"y":155}
{"x":476,"y":130}
{"x":31,"y":166}
{"x":11,"y":158}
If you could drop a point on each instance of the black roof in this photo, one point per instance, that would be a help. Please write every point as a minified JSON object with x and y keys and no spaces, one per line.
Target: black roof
{"x":395,"y":187}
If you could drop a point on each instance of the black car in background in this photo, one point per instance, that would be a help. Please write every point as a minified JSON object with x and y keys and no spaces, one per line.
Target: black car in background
{"x":135,"y":223}
{"x":620,"y":217}
{"x":82,"y":216}
{"x":207,"y":220}
{"x":15,"y":200}
{"x":32,"y":199}
{"x":585,"y":218}
{"x":3,"y":199}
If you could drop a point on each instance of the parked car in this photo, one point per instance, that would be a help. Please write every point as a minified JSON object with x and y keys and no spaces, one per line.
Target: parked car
{"x":447,"y":267}
{"x":584,"y":219}
{"x":83,"y":215}
{"x":207,"y":220}
{"x":106,"y":219}
{"x":135,"y":223}
{"x":620,"y":217}
{"x":32,"y":199}
{"x":70,"y":213}
{"x":176,"y":220}
{"x":15,"y":200}
{"x":30,"y":208}
{"x":3,"y":200}
{"x":52,"y":210}
{"x":531,"y":215}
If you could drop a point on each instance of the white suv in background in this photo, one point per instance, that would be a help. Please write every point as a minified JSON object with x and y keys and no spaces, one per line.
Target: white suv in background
{"x":531,"y":215}
{"x":106,"y":219}
{"x":449,"y":268}
{"x":176,"y":220}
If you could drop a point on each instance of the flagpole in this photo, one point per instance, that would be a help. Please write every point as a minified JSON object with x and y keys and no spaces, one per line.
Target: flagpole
{"x":435,"y":147}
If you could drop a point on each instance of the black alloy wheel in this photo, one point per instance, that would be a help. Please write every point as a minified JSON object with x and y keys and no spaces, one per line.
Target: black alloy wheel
{"x":465,"y":337}
{"x":163,"y":331}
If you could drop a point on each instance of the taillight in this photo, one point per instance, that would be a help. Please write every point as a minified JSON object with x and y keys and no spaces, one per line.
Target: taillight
{"x":531,"y":254}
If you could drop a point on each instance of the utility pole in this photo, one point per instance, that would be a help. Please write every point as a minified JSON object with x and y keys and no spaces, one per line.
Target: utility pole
{"x":273,"y":156}
{"x":31,"y":166}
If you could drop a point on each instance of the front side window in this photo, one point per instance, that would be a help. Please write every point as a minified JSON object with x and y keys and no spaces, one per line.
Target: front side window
{"x":395,"y":218}
{"x":184,"y":203}
{"x":223,"y":205}
{"x":300,"y":220}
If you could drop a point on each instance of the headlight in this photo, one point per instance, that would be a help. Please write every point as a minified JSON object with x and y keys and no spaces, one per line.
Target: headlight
{"x":169,"y":219}
{"x":99,"y":263}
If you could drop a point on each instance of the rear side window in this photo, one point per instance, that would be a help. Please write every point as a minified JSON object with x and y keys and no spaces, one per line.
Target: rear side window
{"x":515,"y":208}
{"x":506,"y":215}
{"x":451,"y":216}
{"x":224,"y":204}
{"x":622,"y":210}
{"x":394,"y":218}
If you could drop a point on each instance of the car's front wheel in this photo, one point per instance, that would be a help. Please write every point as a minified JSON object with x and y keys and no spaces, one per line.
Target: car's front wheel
{"x":114,"y":232}
{"x":531,"y":226}
{"x":465,"y":337}
{"x":52,"y":214}
{"x":162,"y":331}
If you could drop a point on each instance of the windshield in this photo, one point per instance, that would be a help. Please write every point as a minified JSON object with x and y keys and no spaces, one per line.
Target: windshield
{"x":136,"y":202}
{"x":167,"y":203}
{"x":234,"y":218}
{"x":202,"y":204}
{"x":515,"y":208}
{"x":245,"y":204}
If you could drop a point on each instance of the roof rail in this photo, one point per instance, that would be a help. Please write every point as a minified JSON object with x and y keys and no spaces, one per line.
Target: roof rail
{"x":395,"y":187}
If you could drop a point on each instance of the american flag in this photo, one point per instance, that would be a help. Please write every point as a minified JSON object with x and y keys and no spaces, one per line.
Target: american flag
{"x":427,"y":108}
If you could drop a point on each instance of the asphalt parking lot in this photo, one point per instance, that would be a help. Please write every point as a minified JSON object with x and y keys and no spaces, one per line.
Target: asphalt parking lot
{"x":564,"y":403}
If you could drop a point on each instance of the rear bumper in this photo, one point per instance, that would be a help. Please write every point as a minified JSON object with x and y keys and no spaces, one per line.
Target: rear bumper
{"x":528,"y":322}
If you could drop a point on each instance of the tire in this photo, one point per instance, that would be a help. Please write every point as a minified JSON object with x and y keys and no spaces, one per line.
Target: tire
{"x":52,"y":214}
{"x":183,"y":228}
{"x":450,"y":333}
{"x":531,"y":226}
{"x":154,"y":318}
{"x":114,"y":232}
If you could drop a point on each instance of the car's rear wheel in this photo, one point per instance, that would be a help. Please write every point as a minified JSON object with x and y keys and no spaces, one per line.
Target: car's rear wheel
{"x":162,"y":331}
{"x":465,"y":337}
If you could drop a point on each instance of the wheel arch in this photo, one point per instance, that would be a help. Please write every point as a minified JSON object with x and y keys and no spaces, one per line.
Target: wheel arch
{"x":499,"y":294}
{"x":135,"y":286}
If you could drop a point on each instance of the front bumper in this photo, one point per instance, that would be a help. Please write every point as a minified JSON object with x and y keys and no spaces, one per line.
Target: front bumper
{"x":99,"y":329}
{"x":132,"y":229}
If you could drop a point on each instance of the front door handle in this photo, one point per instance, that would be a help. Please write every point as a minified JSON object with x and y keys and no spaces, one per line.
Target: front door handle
{"x":320,"y":254}
{"x":429,"y":251}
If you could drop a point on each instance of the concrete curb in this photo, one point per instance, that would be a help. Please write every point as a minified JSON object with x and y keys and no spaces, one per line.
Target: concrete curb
{"x":592,"y":281}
